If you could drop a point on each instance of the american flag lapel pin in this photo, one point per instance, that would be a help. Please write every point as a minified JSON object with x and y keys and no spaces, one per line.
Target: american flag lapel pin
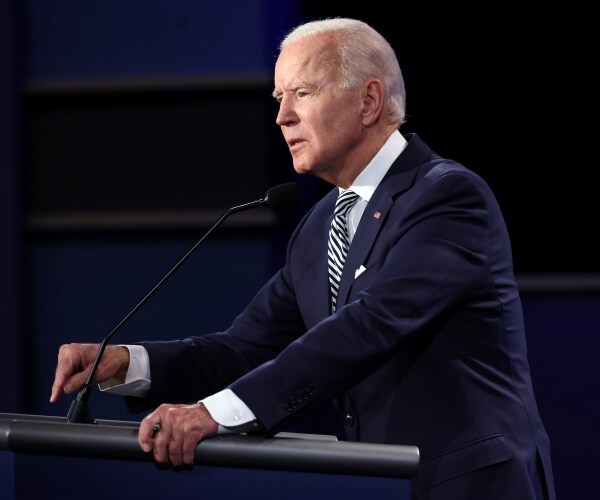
{"x":377,"y":215}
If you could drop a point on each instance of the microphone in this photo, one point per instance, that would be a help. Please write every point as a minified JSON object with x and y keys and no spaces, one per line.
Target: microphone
{"x":277,"y":197}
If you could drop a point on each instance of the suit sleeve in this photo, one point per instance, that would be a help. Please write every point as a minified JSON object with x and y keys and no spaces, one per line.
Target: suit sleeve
{"x":184,"y":371}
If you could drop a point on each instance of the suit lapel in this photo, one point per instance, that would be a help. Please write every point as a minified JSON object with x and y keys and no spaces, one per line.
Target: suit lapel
{"x":400,"y":177}
{"x":369,"y":227}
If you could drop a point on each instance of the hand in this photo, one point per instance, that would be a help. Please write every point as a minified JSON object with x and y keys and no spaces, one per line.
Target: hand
{"x":75,"y":361}
{"x":180,"y":429}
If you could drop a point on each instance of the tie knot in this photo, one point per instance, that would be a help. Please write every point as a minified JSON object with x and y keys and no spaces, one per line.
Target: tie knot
{"x":344,"y":202}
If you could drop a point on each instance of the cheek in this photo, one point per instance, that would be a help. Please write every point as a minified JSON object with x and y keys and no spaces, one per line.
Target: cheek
{"x":344,"y":129}
{"x":333,"y":125}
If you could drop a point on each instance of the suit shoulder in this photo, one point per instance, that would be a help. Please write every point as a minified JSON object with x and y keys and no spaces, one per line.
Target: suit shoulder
{"x":443,"y":167}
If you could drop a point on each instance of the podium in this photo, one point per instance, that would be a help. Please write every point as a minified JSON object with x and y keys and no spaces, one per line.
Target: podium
{"x":46,"y":457}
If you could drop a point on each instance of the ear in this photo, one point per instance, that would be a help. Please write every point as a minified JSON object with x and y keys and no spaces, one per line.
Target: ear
{"x":372,"y":102}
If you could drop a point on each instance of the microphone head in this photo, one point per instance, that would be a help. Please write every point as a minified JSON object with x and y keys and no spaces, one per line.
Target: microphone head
{"x":283,"y":196}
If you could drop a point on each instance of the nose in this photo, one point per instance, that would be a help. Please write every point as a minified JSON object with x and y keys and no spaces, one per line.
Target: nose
{"x":286,"y":114}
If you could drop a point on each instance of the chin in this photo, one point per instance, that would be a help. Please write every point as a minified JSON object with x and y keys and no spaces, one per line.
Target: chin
{"x":301,"y":169}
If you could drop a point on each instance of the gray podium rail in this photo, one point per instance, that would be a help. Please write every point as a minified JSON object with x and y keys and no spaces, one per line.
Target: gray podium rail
{"x":46,"y":435}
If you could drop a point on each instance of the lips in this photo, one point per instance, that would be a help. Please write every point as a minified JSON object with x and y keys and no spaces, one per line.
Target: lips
{"x":293,"y":143}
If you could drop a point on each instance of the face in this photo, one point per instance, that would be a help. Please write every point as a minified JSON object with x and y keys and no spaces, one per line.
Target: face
{"x":320,"y":121}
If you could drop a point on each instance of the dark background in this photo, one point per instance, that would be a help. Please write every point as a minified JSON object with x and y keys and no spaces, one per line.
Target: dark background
{"x":501,"y":88}
{"x":501,"y":91}
{"x":127,"y":128}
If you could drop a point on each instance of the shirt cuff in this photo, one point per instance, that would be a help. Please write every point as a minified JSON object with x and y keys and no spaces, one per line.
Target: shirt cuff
{"x":230,"y":412}
{"x":137,"y":380}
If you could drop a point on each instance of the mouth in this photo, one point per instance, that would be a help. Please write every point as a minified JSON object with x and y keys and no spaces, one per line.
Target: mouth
{"x":294,"y":144}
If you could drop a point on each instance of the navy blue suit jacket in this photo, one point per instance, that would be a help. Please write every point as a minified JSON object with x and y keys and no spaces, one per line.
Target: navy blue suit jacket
{"x":427,"y":345}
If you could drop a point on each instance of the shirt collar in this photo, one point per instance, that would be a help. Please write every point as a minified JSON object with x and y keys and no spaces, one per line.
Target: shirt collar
{"x":368,"y":180}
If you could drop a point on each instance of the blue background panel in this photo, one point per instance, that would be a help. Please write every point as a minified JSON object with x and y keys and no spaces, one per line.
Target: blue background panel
{"x":152,"y":38}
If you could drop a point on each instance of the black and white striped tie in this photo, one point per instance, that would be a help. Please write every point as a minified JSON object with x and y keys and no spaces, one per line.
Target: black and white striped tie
{"x":339,"y":241}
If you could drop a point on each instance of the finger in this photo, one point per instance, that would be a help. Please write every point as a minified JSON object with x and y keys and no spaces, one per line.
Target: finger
{"x":175,"y":418}
{"x":69,"y":361}
{"x":149,"y":427}
{"x":189,"y":450}
{"x":61,"y":374}
{"x":59,"y":381}
{"x":160,"y":443}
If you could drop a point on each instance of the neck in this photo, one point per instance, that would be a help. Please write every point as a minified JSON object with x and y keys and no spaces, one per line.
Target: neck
{"x":358,"y":160}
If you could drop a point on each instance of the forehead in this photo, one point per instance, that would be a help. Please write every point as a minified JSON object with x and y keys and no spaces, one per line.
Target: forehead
{"x":307,"y":60}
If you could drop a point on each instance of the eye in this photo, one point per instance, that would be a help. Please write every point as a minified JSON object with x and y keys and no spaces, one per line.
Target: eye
{"x":302,"y":93}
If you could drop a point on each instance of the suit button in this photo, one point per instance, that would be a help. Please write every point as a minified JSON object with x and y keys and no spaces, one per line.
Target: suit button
{"x":348,"y":420}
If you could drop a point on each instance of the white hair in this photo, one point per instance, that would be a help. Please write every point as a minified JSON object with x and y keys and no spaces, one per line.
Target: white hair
{"x":364,"y":53}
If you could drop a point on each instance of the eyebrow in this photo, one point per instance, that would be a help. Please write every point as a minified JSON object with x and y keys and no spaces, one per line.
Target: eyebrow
{"x":298,"y":85}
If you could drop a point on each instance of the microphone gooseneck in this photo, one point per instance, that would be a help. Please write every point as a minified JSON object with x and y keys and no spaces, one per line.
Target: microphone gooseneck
{"x":278,"y":197}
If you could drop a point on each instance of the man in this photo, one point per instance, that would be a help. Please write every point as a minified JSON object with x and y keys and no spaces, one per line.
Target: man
{"x":419,"y":341}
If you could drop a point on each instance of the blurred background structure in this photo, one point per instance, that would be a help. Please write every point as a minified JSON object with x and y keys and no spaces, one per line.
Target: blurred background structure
{"x":128,"y":128}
